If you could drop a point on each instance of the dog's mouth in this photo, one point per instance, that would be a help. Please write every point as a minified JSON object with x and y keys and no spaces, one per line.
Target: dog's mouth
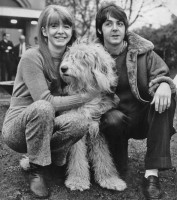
{"x":67,"y":78}
{"x":65,"y":74}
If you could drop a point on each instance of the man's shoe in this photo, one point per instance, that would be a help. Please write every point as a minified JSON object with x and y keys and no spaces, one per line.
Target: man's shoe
{"x":151,"y":187}
{"x":37,"y":182}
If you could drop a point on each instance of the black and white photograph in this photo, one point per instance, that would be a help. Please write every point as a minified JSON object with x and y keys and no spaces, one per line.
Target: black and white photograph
{"x":88,"y":92}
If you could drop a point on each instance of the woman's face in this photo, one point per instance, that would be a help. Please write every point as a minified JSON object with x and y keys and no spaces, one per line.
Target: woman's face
{"x":58,"y":34}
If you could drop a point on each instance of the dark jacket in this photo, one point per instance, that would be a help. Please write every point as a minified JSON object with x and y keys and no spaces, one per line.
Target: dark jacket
{"x":145,"y":66}
{"x":16,"y":51}
{"x":4,"y":51}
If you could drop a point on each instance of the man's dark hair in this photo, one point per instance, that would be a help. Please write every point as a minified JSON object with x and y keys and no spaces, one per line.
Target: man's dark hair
{"x":109,"y":9}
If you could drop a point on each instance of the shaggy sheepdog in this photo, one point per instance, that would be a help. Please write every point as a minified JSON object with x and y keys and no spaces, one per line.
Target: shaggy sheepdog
{"x":88,"y":68}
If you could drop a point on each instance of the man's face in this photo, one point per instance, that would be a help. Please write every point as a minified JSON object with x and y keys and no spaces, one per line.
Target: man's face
{"x":113,"y":32}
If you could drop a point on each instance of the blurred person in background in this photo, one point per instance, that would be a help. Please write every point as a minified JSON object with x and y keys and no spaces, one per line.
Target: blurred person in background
{"x":6,"y":51}
{"x":18,"y":51}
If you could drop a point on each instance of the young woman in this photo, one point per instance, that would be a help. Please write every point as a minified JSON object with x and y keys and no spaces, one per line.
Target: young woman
{"x":30,"y":125}
{"x":146,"y":108}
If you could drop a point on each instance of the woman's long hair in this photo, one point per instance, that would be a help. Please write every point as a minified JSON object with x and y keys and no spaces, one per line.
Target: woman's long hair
{"x":53,"y":14}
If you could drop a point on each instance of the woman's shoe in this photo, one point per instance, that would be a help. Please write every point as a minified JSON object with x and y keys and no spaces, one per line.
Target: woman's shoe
{"x":37,"y":181}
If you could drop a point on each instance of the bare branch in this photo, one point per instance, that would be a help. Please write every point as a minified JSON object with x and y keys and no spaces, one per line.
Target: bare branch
{"x":137,"y":15}
{"x":85,"y":10}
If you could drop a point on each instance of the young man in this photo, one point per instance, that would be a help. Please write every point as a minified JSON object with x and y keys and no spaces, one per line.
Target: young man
{"x":147,"y":105}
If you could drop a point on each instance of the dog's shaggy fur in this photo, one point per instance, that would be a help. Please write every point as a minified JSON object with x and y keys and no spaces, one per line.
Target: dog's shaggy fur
{"x":89,"y":68}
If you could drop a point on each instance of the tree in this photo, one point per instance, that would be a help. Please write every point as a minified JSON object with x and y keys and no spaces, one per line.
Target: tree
{"x":85,"y":11}
{"x":136,"y":9}
{"x":164,"y":40}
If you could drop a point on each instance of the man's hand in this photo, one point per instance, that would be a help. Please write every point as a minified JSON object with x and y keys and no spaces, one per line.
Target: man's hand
{"x":162,"y":97}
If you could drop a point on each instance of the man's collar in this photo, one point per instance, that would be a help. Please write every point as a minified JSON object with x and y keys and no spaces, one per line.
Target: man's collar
{"x":136,"y":42}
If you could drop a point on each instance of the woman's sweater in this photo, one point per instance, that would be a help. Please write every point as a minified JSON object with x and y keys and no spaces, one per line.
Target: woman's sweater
{"x":31,"y":85}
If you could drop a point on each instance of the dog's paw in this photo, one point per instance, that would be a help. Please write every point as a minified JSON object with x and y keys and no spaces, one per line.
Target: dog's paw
{"x":77,"y":183}
{"x":113,"y":183}
{"x":24,"y":163}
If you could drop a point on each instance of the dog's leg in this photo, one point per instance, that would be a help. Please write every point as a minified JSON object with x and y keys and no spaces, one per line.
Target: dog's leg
{"x":78,"y":167}
{"x":105,"y":172}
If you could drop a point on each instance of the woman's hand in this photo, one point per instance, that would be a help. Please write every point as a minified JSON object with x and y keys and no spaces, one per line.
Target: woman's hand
{"x":86,"y":97}
{"x":162,"y":97}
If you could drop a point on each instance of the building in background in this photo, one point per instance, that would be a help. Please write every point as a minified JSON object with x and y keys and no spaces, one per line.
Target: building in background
{"x":20,"y":17}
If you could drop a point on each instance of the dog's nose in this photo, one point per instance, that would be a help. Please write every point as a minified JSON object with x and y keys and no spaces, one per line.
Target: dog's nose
{"x":64,"y":68}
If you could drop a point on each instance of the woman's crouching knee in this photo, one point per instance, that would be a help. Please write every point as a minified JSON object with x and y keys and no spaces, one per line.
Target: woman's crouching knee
{"x":43,"y":106}
{"x":44,"y":110}
{"x":71,"y":123}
